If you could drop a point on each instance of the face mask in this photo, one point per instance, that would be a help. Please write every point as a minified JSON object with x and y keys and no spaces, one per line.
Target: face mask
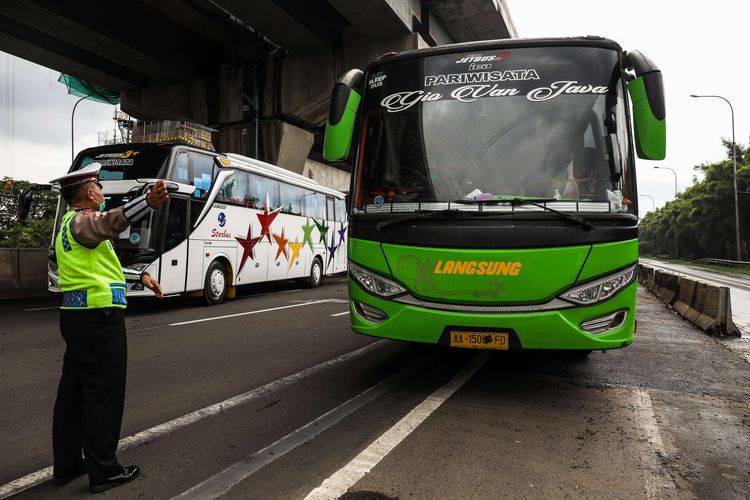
{"x":102,"y":204}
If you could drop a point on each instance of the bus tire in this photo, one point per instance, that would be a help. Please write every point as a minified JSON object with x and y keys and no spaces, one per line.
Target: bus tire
{"x":215,"y":285}
{"x":316,"y":273}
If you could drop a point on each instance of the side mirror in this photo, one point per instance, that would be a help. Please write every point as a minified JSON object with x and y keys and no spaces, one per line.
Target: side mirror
{"x":649,"y":110}
{"x":342,"y":115}
{"x":25,"y":198}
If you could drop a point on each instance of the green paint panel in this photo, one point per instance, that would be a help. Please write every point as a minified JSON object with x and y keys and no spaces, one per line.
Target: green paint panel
{"x":650,"y":132}
{"x":472,"y":276}
{"x":367,"y":254}
{"x":607,"y":257}
{"x":338,"y":137}
{"x":541,"y":330}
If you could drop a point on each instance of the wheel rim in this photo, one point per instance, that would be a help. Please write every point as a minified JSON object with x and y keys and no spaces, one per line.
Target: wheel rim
{"x":316,"y":272}
{"x":216,"y":283}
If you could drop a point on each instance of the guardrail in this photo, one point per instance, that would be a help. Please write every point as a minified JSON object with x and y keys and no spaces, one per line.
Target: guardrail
{"x":722,"y":262}
{"x":706,"y":306}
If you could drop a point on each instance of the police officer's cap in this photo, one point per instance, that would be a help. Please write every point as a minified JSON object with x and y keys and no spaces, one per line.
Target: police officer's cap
{"x":89,"y":173}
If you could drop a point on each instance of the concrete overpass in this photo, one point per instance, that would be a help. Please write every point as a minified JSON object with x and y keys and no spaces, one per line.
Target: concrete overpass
{"x":259,"y":72}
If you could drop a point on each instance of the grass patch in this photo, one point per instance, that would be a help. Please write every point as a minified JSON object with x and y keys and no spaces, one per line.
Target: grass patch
{"x":713,"y":267}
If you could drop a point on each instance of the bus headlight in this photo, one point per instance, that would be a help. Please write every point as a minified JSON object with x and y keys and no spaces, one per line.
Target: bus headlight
{"x":601,"y":289}
{"x":375,"y":283}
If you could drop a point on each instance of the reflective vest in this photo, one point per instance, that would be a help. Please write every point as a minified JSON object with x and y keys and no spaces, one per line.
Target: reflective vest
{"x":89,"y":277}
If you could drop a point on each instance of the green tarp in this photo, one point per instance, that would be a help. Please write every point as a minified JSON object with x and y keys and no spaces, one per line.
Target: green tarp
{"x":88,"y":90}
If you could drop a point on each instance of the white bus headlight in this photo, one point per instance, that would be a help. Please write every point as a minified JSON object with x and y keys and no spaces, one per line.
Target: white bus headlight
{"x":601,"y":289}
{"x":375,"y":283}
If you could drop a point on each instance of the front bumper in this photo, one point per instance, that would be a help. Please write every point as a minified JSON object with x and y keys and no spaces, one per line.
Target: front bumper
{"x":555,"y":329}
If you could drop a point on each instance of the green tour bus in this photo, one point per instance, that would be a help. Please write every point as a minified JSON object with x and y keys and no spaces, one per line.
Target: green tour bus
{"x":493,"y":196}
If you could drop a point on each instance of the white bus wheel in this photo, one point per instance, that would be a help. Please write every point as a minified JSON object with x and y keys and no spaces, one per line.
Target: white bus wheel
{"x":215,"y":286}
{"x":316,"y":273}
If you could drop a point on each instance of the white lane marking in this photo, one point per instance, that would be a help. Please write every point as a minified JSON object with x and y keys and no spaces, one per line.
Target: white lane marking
{"x":341,"y":481}
{"x":142,"y":437}
{"x":250,"y":312}
{"x":275,"y":293}
{"x":41,"y":308}
{"x":340,"y":314}
{"x":18,"y":485}
{"x":657,"y":480}
{"x":220,"y":483}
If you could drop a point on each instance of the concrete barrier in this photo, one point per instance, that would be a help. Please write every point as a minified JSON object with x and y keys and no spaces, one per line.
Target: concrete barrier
{"x":666,"y":286}
{"x":706,"y":306}
{"x":23,"y":271}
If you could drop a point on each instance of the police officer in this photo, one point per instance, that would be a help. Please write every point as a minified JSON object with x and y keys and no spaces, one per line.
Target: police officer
{"x":91,"y":394}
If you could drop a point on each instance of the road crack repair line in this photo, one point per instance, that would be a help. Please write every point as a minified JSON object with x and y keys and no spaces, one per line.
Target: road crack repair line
{"x":16,"y":486}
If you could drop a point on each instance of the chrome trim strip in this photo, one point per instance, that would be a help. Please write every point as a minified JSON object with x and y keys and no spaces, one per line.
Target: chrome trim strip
{"x":553,"y":305}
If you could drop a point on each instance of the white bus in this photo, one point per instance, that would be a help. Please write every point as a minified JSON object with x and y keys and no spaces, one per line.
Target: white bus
{"x":233,"y":221}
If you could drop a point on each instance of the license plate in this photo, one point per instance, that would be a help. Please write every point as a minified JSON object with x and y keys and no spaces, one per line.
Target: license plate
{"x":480,"y":340}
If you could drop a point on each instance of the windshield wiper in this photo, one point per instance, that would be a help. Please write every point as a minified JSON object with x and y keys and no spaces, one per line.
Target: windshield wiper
{"x":537,"y":202}
{"x":419,"y":215}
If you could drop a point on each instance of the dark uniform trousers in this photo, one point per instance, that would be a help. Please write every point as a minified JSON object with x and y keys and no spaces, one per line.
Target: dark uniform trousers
{"x":91,"y":395}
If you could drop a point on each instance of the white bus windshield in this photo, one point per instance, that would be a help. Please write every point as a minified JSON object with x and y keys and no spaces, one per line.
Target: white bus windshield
{"x":542,"y":122}
{"x":126,"y":162}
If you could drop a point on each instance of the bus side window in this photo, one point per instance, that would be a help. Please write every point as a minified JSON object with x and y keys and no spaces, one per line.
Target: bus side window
{"x":340,"y":210}
{"x":201,"y":173}
{"x":329,"y":209}
{"x":314,"y":205}
{"x":176,"y":223}
{"x":291,"y":199}
{"x":235,"y":189}
{"x":180,"y":173}
{"x":262,"y":188}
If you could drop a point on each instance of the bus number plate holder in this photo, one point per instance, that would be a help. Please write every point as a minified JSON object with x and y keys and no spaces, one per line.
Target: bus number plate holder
{"x":479,"y":340}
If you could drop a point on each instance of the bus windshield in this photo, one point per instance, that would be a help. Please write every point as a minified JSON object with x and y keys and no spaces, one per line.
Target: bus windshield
{"x":540,"y":122}
{"x":126,"y":162}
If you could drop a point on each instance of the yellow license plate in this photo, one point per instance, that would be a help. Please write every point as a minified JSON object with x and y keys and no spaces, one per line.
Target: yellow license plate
{"x":480,"y":340}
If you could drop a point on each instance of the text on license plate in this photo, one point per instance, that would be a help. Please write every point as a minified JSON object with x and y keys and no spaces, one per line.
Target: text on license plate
{"x":479,"y":340}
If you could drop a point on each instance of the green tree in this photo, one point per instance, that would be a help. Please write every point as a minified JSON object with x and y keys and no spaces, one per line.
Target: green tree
{"x":702,"y":217}
{"x":36,"y":230}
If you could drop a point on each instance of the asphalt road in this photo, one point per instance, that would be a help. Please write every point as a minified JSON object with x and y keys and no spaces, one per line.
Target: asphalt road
{"x":271,"y":396}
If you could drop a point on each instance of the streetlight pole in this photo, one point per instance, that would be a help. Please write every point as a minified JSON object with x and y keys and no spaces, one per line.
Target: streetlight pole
{"x":653,"y":203}
{"x":72,"y":115}
{"x":675,"y":197}
{"x":734,"y":162}
{"x":675,"y":178}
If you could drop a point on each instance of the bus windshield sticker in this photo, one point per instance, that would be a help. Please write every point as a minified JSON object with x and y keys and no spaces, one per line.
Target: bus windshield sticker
{"x":483,"y":77}
{"x":400,"y":101}
{"x":376,"y":80}
{"x":482,"y":59}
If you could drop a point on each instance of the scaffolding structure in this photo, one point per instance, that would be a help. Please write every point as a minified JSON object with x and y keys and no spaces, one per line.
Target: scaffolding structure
{"x":128,"y":130}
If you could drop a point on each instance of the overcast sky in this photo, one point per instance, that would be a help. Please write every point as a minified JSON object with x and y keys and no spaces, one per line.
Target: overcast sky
{"x":697,"y":45}
{"x":35,"y":121}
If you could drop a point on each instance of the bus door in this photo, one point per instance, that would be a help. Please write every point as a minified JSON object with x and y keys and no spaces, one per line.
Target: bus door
{"x":174,"y":259}
{"x":331,"y":237}
{"x":341,"y":231}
